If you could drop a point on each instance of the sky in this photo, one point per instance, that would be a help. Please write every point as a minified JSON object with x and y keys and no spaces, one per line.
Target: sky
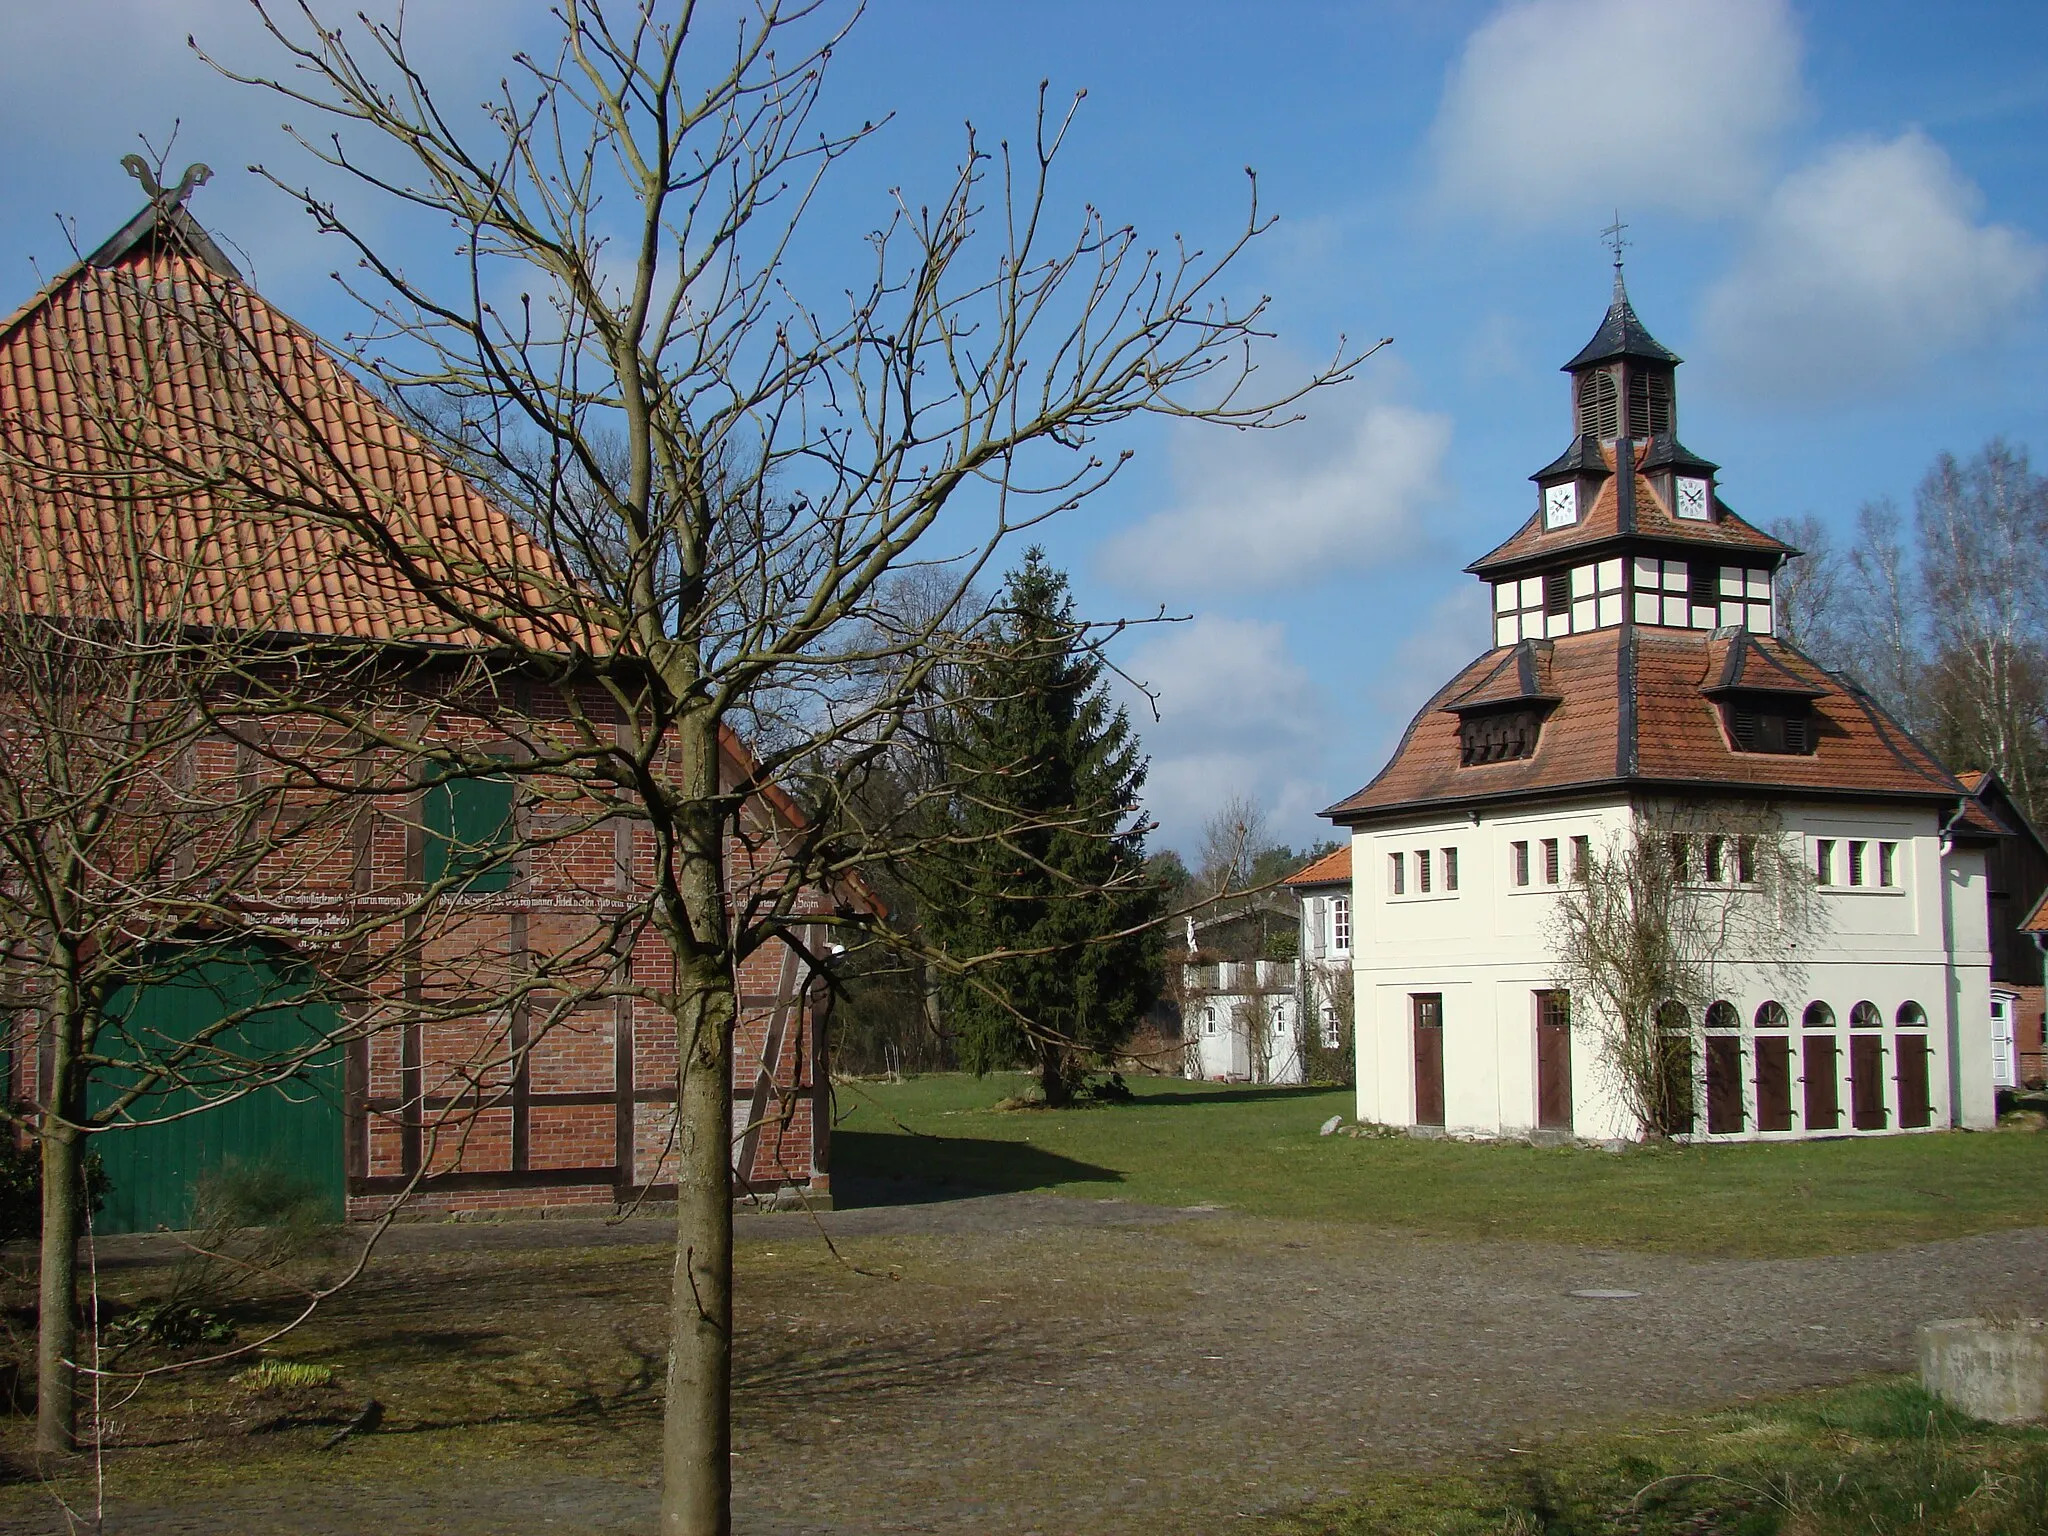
{"x":1833,"y":213}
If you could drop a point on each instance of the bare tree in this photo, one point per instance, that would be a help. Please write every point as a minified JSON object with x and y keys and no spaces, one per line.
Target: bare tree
{"x":194,"y":783}
{"x":1232,"y":839}
{"x":1648,"y":926}
{"x":140,"y":843}
{"x":722,"y":477}
{"x":1810,"y":589}
{"x":1982,"y":528}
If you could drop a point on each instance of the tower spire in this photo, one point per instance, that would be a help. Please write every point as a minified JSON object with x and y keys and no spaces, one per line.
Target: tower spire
{"x":1611,"y":237}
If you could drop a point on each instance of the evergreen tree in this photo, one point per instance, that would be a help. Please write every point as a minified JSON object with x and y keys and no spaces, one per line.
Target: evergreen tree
{"x":1049,"y":851}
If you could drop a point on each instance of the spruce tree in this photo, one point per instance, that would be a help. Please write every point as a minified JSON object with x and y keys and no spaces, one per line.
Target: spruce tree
{"x":1049,"y":850}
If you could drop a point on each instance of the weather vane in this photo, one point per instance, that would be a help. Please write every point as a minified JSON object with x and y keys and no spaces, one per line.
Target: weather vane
{"x":1611,"y":237}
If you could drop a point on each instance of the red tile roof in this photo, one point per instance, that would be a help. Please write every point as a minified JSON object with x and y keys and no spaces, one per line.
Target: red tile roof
{"x":2037,"y":920}
{"x":1645,"y":516}
{"x":156,"y":407}
{"x":1635,"y":710}
{"x":1331,"y":869}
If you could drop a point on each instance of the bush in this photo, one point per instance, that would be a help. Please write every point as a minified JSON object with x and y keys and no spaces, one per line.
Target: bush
{"x":21,"y":1188}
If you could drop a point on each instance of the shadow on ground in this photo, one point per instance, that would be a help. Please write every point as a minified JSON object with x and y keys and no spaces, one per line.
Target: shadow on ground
{"x":870,"y":1168}
{"x":1221,"y":1093}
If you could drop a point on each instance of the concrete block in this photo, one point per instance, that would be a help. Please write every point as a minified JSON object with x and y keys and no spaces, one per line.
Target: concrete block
{"x":1992,"y":1370}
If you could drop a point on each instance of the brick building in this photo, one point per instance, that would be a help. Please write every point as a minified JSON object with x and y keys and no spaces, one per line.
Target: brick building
{"x":537,"y":1102}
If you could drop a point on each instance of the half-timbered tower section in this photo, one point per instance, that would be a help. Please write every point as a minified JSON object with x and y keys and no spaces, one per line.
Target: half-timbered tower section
{"x":508,"y":1044}
{"x":1636,"y":679}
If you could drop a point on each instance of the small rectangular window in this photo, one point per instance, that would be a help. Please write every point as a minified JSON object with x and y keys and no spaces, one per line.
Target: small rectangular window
{"x":1422,"y":871}
{"x":1745,"y":860}
{"x":1888,"y":865}
{"x":1397,"y":873}
{"x":1557,"y":592}
{"x":468,"y":827}
{"x":1340,"y":924}
{"x":1824,"y":860}
{"x":1679,"y":850}
{"x":1550,"y":861}
{"x":1717,"y":859}
{"x":1518,"y":862}
{"x":1450,"y":869}
{"x":1857,"y":848}
{"x":1582,"y":860}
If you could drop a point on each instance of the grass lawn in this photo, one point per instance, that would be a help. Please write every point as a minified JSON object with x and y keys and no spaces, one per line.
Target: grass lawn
{"x":1256,"y":1150}
{"x":1870,"y":1459}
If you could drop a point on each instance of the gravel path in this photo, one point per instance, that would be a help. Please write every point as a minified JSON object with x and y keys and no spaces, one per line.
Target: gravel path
{"x":1061,"y":1366}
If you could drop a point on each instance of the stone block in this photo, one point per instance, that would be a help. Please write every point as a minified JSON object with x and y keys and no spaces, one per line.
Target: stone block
{"x":1996,"y":1370}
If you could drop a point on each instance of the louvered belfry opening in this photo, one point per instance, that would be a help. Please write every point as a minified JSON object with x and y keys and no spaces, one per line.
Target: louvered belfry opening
{"x":1649,"y":403}
{"x":1599,"y":405}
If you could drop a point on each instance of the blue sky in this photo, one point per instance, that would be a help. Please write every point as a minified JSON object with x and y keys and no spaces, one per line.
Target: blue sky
{"x":1835,"y":214}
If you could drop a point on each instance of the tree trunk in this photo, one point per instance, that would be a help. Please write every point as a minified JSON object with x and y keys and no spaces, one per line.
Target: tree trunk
{"x":696,"y":1423}
{"x":57,"y":1315}
{"x":1052,"y":1075}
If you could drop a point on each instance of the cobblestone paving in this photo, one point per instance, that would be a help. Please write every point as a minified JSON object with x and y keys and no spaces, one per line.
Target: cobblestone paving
{"x":1057,"y":1366}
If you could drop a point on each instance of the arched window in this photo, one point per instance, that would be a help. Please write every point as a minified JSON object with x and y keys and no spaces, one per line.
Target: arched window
{"x":1819,"y":1016}
{"x":1722,"y":1015}
{"x":1209,"y":1021}
{"x":1672,"y":1019}
{"x":1772,"y":1015}
{"x":1912,"y":1016}
{"x":1865,"y":1016}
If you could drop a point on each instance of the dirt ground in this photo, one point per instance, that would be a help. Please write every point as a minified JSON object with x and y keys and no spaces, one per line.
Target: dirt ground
{"x":1012,"y":1363}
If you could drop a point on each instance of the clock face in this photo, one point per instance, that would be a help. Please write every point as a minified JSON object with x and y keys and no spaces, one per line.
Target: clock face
{"x":1692,"y":499}
{"x":1561,"y":505}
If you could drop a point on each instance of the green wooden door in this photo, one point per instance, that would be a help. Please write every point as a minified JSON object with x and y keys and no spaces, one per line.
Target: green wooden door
{"x":293,"y":1127}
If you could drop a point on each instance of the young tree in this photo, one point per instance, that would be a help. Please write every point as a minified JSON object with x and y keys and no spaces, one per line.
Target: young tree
{"x":1982,"y":528}
{"x":722,"y":476}
{"x":1945,"y":623}
{"x":187,"y":916}
{"x":1050,"y":862}
{"x":1641,"y":932}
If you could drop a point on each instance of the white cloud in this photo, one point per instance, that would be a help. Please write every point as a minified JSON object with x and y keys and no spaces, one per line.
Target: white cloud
{"x":1237,"y":714}
{"x":1561,"y":108}
{"x":1335,"y":494}
{"x":1865,"y":264}
{"x":1431,"y":654}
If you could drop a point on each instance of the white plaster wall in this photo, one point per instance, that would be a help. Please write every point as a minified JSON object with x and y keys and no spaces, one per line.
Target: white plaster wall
{"x":1972,"y":1099}
{"x":1226,"y":1054}
{"x":1484,"y":948}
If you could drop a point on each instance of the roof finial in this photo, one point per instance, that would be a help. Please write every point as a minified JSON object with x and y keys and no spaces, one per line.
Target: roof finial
{"x":1612,"y":239}
{"x":196,"y":175}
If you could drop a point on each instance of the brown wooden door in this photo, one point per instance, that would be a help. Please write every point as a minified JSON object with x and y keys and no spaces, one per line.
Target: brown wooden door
{"x":1724,"y":1084}
{"x":1866,"y":1082}
{"x":1553,"y":1061}
{"x":1676,"y":1110}
{"x":1823,"y":1092}
{"x":1429,"y":1057}
{"x":1773,"y":1083}
{"x":1914,"y":1110}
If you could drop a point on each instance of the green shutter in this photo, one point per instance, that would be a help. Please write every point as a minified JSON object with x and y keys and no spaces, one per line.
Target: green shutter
{"x":467,"y":821}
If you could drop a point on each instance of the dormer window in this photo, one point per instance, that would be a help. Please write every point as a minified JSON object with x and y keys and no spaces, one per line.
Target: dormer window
{"x":1779,"y":726}
{"x":1599,"y":406}
{"x":1498,"y":735}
